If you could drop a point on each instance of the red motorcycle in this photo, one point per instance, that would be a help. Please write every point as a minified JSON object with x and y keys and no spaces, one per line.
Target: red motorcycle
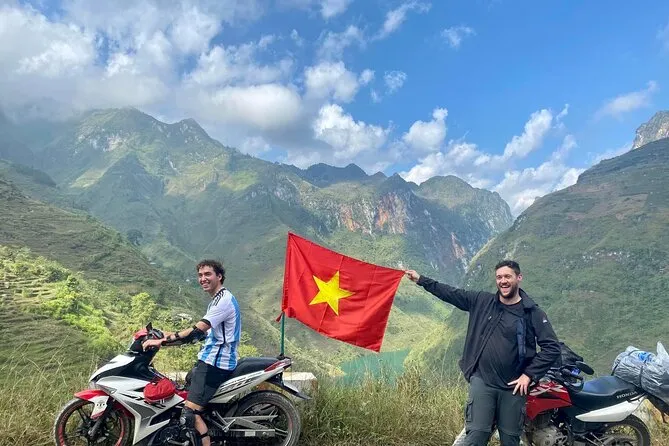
{"x":565,"y":410}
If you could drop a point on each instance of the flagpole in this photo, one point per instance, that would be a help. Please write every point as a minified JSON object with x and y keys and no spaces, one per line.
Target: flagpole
{"x":283,"y":327}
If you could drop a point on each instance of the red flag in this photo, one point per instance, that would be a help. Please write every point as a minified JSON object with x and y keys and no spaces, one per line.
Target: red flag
{"x":338,"y":296}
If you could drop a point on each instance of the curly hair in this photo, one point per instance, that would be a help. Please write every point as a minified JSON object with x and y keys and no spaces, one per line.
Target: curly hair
{"x":215,"y":265}
{"x":511,"y":264}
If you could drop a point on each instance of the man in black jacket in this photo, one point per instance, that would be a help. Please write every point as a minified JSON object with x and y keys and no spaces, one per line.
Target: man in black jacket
{"x":500,"y":357}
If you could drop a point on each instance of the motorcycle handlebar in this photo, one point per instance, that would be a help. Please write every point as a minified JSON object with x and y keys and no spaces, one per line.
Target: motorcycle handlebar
{"x":566,"y":375}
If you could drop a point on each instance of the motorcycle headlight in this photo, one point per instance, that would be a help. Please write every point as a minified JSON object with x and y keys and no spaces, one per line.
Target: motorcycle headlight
{"x":92,"y":385}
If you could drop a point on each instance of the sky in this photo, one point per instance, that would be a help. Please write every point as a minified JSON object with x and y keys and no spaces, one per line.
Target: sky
{"x":518,"y":97}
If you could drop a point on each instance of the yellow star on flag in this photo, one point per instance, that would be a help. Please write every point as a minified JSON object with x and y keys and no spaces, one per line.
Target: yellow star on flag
{"x":330,"y":293}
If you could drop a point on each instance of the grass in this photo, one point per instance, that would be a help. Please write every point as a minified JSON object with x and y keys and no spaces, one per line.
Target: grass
{"x":411,"y":411}
{"x":414,"y":410}
{"x":33,"y":393}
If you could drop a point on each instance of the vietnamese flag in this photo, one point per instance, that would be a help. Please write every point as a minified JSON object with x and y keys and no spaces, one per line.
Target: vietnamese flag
{"x":338,"y":296}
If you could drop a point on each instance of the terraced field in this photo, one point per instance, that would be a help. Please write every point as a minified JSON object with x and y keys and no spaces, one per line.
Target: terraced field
{"x":32,"y":342}
{"x":42,"y":361}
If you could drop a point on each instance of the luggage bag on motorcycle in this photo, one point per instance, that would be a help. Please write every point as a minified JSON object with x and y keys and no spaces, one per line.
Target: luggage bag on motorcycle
{"x":159,"y":390}
{"x":646,"y":370}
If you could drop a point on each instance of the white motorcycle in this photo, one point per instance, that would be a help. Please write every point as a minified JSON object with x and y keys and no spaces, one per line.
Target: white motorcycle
{"x":116,"y":409}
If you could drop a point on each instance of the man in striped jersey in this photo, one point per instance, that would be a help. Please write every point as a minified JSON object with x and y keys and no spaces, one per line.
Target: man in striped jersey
{"x":218,"y":357}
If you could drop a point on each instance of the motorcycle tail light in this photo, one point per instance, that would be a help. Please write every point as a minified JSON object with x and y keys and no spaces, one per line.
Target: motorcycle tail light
{"x":276,"y":365}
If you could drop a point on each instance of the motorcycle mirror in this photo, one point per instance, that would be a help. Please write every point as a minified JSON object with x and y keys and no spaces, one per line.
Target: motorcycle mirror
{"x":585,"y":368}
{"x":149,"y":326}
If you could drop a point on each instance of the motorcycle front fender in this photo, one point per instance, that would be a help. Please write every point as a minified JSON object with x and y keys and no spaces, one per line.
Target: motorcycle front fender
{"x":90,"y":394}
{"x":97,"y":397}
{"x":100,"y":399}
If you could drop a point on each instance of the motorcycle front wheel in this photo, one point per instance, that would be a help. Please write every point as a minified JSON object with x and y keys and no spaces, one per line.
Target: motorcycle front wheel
{"x":74,"y":421}
{"x":632,"y":431}
{"x":287,"y":422}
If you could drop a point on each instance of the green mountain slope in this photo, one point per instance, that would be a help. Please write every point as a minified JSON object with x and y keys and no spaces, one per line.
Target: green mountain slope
{"x":116,"y":269}
{"x":180,"y":196}
{"x":595,"y":256}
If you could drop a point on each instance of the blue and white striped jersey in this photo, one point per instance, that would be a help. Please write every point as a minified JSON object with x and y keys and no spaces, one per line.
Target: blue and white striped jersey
{"x":220,"y":346}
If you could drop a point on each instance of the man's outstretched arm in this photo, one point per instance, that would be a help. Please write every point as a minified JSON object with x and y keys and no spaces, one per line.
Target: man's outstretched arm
{"x":458,"y":297}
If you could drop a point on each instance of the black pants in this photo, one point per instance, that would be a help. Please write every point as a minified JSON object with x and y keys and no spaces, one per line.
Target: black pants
{"x":205,"y":380}
{"x":486,"y":405}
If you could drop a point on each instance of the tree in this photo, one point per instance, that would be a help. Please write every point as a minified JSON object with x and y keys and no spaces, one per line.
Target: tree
{"x":143,"y":309}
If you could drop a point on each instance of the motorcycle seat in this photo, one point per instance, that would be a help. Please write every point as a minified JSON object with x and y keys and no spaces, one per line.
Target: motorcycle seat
{"x":252,"y":364}
{"x":603,"y":392}
{"x":606,"y":386}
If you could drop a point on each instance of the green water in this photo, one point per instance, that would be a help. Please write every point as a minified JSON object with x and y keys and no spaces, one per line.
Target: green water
{"x":386,"y":364}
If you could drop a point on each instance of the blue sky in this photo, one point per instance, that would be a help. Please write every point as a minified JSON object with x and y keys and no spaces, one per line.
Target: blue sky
{"x":514,"y":96}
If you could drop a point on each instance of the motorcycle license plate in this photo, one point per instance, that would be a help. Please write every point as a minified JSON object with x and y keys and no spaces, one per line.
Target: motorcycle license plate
{"x":100,"y":406}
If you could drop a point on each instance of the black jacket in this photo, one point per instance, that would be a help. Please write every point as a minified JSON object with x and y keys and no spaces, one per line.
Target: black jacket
{"x":485,"y":311}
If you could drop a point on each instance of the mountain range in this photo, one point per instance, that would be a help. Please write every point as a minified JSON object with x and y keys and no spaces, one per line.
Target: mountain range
{"x":178,"y":196}
{"x":594,"y":255}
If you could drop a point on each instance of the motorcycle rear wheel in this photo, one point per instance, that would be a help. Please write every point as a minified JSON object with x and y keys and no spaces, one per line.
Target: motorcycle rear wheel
{"x":260,"y":402}
{"x":643,"y":435}
{"x":116,"y":437}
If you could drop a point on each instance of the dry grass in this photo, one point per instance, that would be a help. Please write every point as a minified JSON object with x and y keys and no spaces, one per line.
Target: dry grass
{"x":31,"y":395}
{"x":414,"y":410}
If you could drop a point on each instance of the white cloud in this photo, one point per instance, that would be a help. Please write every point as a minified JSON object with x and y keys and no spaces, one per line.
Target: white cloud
{"x":266,"y":107}
{"x":396,"y":17}
{"x":346,"y":136}
{"x":189,"y":24}
{"x":172,"y":58}
{"x":428,"y":136}
{"x":331,"y":79}
{"x":236,"y":64}
{"x":520,"y":188}
{"x":568,"y":143}
{"x":532,"y":137}
{"x":193,"y":29}
{"x":457,"y":158}
{"x":628,"y":102}
{"x":56,"y":64}
{"x":295,"y":37}
{"x":334,"y":44}
{"x":564,"y":112}
{"x":394,"y":80}
{"x":331,"y":8}
{"x":327,"y":8}
{"x":124,"y":53}
{"x":569,"y":178}
{"x":303,"y":159}
{"x":366,"y":76}
{"x":266,"y":40}
{"x":127,"y":54}
{"x":254,"y":145}
{"x":663,"y":36}
{"x":454,"y":35}
{"x":610,"y":153}
{"x":45,"y":48}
